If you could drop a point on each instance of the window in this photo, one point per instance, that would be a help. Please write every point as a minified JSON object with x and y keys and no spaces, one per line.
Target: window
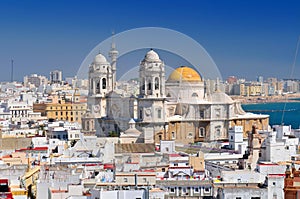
{"x":206,"y":190}
{"x":218,"y":132}
{"x":98,"y":87}
{"x":156,"y":83}
{"x":194,"y":95}
{"x":159,"y":113}
{"x":173,"y":135}
{"x":172,"y":190}
{"x":144,"y":179}
{"x":125,"y":180}
{"x":149,"y":86}
{"x":103,"y":83}
{"x":202,"y":132}
{"x":196,"y":189}
{"x":143,"y":84}
{"x":218,"y":112}
{"x":190,"y":135}
{"x":202,"y":114}
{"x":231,"y":137}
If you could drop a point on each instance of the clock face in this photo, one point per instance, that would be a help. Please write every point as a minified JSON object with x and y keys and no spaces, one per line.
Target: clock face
{"x":148,"y":111}
{"x":96,"y":108}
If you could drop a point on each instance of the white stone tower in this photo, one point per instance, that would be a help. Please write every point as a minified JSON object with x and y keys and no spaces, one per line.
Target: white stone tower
{"x":113,"y":54}
{"x":151,"y":101}
{"x":100,"y":83}
{"x":152,"y":76}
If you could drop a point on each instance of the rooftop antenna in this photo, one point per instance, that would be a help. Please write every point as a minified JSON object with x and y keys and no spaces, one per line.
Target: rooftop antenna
{"x":12,"y":71}
{"x":291,"y":75}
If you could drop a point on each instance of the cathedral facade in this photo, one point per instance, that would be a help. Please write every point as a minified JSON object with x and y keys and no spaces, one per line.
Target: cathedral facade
{"x":180,"y":107}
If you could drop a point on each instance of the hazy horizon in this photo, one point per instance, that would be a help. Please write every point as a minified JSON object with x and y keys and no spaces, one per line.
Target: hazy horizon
{"x":244,"y":38}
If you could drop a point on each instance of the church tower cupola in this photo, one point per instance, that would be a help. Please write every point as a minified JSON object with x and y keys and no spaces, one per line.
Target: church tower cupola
{"x":100,"y":76}
{"x":152,"y":76}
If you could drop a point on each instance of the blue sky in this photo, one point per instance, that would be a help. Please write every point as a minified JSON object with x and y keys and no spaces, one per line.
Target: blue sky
{"x":245,"y":38}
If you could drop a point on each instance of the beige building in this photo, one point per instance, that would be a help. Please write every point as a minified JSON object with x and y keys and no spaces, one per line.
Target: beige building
{"x":62,"y":109}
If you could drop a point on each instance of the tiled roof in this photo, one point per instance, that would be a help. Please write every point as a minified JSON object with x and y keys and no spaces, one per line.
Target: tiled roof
{"x":135,"y":148}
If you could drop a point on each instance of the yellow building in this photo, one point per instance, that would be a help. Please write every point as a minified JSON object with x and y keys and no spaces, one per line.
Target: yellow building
{"x":255,"y":90}
{"x":61,"y":108}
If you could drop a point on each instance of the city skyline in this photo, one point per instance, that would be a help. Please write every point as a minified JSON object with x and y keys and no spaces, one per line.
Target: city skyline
{"x":245,"y":39}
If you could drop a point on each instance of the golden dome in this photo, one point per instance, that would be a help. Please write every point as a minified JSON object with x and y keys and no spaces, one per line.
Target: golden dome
{"x":185,"y":73}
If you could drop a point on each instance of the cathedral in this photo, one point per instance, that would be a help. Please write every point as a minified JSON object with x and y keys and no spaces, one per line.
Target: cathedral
{"x":181,"y":107}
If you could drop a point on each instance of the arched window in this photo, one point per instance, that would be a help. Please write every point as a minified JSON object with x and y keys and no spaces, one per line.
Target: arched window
{"x":149,"y":85}
{"x":173,"y":135}
{"x":98,"y":87}
{"x":201,"y":132}
{"x":160,"y":137}
{"x":218,"y":132}
{"x":104,"y":83}
{"x":143,"y":84}
{"x":194,"y":95}
{"x":156,"y":83}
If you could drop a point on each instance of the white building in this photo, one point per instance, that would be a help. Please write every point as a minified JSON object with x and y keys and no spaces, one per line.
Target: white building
{"x":279,"y":143}
{"x":236,"y":139}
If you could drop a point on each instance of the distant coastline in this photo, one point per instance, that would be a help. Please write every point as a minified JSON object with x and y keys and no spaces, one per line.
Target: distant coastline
{"x":294,"y":97}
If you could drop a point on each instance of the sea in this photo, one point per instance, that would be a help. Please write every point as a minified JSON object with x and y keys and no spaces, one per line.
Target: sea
{"x":287,"y":113}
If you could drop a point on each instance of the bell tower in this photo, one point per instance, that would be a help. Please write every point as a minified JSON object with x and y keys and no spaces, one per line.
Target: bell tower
{"x":152,"y":76}
{"x":151,"y":101}
{"x":100,"y":83}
